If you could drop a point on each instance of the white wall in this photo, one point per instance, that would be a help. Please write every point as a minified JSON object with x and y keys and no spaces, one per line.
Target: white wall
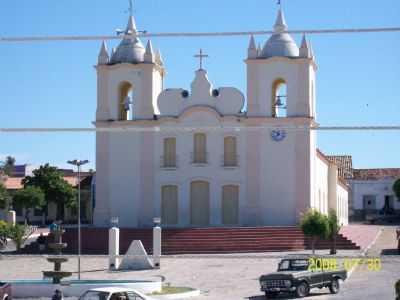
{"x":330,"y":192}
{"x":380,"y":188}
{"x":342,"y":204}
{"x":321,"y":203}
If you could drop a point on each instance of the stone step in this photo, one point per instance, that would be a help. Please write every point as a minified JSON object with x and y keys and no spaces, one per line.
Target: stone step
{"x":203,"y":240}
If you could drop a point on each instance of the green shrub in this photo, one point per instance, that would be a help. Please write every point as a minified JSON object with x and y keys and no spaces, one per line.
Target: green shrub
{"x":334,"y":228}
{"x":315,"y":225}
{"x":18,"y":234}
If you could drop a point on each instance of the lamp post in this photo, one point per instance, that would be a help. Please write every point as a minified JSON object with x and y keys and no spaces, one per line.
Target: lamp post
{"x":79,"y":163}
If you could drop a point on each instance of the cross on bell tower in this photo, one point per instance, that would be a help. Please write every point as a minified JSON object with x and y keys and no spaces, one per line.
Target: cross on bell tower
{"x":201,"y":56}
{"x":131,"y":7}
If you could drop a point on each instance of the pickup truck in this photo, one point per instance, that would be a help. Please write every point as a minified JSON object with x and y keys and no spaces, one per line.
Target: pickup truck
{"x":299,"y":275}
{"x":5,"y":291}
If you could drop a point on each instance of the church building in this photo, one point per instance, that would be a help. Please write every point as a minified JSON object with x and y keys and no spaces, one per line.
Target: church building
{"x":211,"y":156}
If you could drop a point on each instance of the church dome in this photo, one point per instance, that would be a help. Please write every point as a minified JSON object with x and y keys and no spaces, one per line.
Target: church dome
{"x":129,"y":50}
{"x":280,"y":43}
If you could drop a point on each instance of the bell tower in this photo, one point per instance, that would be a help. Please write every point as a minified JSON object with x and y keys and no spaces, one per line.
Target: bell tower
{"x":129,"y":79}
{"x":281,"y":77}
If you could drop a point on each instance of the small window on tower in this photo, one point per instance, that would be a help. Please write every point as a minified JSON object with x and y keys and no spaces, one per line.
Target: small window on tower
{"x":125,"y":101}
{"x":279,"y":97}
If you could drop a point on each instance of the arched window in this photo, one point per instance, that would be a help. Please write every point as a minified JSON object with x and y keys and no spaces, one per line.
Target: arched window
{"x":279,"y":97}
{"x":230,"y":153}
{"x":169,"y":158}
{"x":169,"y":205}
{"x":125,"y":101}
{"x":199,"y":148}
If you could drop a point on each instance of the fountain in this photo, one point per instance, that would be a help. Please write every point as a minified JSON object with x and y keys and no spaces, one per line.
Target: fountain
{"x":71,"y":288}
{"x":57,"y":275}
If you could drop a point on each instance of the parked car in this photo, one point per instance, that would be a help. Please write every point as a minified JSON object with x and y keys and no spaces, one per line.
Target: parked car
{"x":298,"y":276}
{"x":113,"y":293}
{"x":5,"y":291}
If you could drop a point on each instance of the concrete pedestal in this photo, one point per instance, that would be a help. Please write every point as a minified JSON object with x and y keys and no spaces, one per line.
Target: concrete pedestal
{"x":113,"y":248}
{"x":156,"y":246}
{"x":11,"y":217}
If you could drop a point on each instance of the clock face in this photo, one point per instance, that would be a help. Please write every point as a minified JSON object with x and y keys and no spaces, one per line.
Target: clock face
{"x":278,"y":135}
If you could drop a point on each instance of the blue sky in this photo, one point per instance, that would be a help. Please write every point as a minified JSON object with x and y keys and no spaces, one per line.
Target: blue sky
{"x":53,"y":84}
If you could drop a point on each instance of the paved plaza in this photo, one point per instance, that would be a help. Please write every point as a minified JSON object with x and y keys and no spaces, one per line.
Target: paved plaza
{"x":226,"y":277}
{"x":218,"y":277}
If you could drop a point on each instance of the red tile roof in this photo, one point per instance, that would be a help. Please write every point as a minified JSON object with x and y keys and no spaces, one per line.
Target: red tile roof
{"x":344,"y":164}
{"x":341,"y":166}
{"x":15,"y":183}
{"x":368,"y":174}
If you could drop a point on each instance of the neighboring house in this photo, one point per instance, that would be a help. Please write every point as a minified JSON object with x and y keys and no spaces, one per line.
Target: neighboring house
{"x":372,"y":191}
{"x":36,"y":216}
{"x":235,"y":165}
{"x":22,"y":170}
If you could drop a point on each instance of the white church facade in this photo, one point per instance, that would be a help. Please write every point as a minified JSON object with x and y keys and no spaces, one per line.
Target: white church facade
{"x":207,"y":157}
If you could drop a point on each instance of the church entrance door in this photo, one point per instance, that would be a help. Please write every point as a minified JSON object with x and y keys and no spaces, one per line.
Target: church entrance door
{"x":230,"y":205}
{"x":169,"y":205}
{"x":200,"y":203}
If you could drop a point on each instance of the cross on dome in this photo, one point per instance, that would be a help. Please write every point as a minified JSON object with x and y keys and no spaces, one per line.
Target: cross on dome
{"x":201,"y":56}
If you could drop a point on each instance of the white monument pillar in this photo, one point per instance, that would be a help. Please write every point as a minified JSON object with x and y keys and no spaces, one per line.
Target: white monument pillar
{"x":156,"y":243}
{"x":11,"y":217}
{"x":113,"y":248}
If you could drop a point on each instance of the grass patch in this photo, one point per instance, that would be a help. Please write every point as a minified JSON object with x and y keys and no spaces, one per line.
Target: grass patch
{"x":167,"y":290}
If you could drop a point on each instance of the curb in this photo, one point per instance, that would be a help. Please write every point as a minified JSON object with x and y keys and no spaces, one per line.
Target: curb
{"x":185,"y":295}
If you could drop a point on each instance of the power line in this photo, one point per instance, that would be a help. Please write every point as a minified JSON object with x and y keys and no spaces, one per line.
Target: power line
{"x":190,"y":34}
{"x":122,"y":128}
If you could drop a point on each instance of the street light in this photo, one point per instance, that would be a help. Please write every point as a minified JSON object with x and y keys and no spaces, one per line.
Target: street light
{"x":79,"y":163}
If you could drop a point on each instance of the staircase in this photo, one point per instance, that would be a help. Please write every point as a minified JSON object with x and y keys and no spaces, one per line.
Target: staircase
{"x":204,"y":240}
{"x":342,"y":243}
{"x":232,"y":240}
{"x":201,"y":240}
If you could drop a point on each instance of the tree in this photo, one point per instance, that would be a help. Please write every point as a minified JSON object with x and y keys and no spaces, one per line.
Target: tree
{"x":3,"y":234}
{"x":30,"y":197}
{"x":396,"y":188}
{"x":315,"y":225}
{"x":4,"y":197}
{"x":54,"y":187}
{"x":334,"y":228}
{"x":9,"y":165}
{"x":19,"y":234}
